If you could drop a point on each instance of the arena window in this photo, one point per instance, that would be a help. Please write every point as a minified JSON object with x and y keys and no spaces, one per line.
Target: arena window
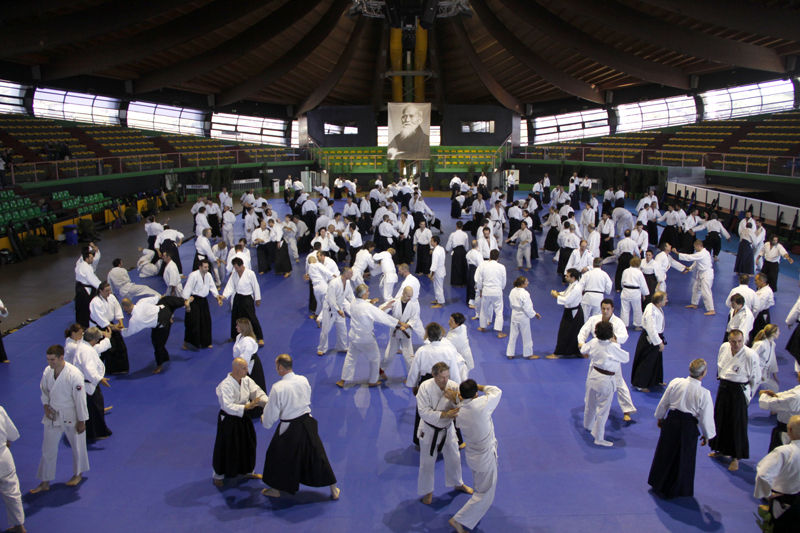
{"x":11,"y":98}
{"x":556,"y":128}
{"x":656,"y":114}
{"x":77,"y":107}
{"x":157,"y":117}
{"x":250,"y":129}
{"x":748,"y":100}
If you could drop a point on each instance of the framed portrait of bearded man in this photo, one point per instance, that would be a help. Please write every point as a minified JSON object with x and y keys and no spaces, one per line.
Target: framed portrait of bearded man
{"x":409,"y":131}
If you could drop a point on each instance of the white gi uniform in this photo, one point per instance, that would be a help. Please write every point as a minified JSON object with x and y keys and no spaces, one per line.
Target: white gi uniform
{"x":245,"y":348}
{"x":364,"y":262}
{"x":233,"y":396}
{"x":320,"y":276}
{"x":742,"y":320}
{"x":338,"y":297}
{"x":600,"y":387}
{"x":434,"y":431}
{"x":172,"y":277}
{"x":145,"y":266}
{"x":435,"y":352}
{"x":103,"y":312}
{"x":402,"y":339}
{"x":458,"y":337}
{"x":490,"y":280}
{"x":475,"y":422}
{"x":580,"y":262}
{"x":363,"y":316}
{"x":634,"y":287}
{"x":747,"y":293}
{"x":786,"y":404}
{"x":769,"y":365}
{"x":525,"y":240}
{"x":389,"y":277}
{"x":779,"y":472}
{"x":521,"y":314}
{"x":665,"y":261}
{"x":9,"y":482}
{"x":121,"y":282}
{"x":594,"y":284}
{"x":438,"y":271}
{"x":475,"y":258}
{"x":409,"y":281}
{"x":65,"y":395}
{"x":621,"y":333}
{"x":486,"y":246}
{"x":228,"y":220}
{"x":705,"y":277}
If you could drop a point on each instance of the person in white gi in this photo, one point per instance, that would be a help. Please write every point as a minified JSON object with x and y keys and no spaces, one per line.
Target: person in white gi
{"x":764,"y":346}
{"x":121,"y":282}
{"x":786,"y":404}
{"x":487,"y":243}
{"x":9,"y":482}
{"x":705,"y":277}
{"x":459,"y":338}
{"x":436,"y":399}
{"x":172,"y":277}
{"x":389,"y":277}
{"x":474,"y":259}
{"x":65,"y":411}
{"x":739,"y":317}
{"x":778,"y":481}
{"x":581,"y":258}
{"x":521,"y":314}
{"x":594,"y":284}
{"x":145,"y":265}
{"x":338,"y":297}
{"x":490,"y":280}
{"x":474,"y":419}
{"x":406,"y":310}
{"x":319,"y":277}
{"x":664,"y":262}
{"x":634,"y":288}
{"x":438,"y":272}
{"x":364,"y":262}
{"x":363,"y":315}
{"x":409,"y":280}
{"x":605,"y":358}
{"x":524,"y":237}
{"x":436,"y":349}
{"x":745,"y":291}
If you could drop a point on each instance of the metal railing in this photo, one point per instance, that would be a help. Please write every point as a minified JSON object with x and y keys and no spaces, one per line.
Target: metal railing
{"x":54,"y":170}
{"x":503,"y":152}
{"x":750,"y":163}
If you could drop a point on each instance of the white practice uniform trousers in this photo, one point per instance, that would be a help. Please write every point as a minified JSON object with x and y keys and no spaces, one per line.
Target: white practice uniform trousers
{"x":357,"y":279}
{"x":627,"y":305}
{"x":498,"y":234}
{"x":398,"y":340}
{"x":524,"y":255}
{"x":319,"y":294}
{"x":388,"y":289}
{"x":492,"y":305}
{"x":52,"y":434}
{"x":702,"y":286}
{"x":292,"y":243}
{"x":599,"y":393}
{"x":227,"y":236}
{"x":370,"y":351}
{"x":329,"y":318}
{"x":134,"y":291}
{"x":427,"y":462}
{"x":220,"y":271}
{"x":438,"y":287}
{"x":9,"y":488}
{"x":766,"y":383}
{"x":484,"y":485}
{"x":520,"y":326}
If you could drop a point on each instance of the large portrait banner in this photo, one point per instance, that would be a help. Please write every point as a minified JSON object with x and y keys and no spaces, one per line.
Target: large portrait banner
{"x":409,"y":131}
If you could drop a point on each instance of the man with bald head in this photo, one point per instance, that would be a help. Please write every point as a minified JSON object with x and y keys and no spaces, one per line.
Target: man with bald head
{"x":411,"y":142}
{"x":778,"y":481}
{"x":235,"y":447}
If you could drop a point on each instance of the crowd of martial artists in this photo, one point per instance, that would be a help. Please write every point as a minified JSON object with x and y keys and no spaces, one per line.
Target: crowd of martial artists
{"x":380,"y":236}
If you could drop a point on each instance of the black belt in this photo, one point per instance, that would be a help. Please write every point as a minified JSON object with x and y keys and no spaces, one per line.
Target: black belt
{"x":295,"y":419}
{"x":404,"y":332}
{"x":629,"y":287}
{"x":604,"y":372}
{"x":436,"y":431}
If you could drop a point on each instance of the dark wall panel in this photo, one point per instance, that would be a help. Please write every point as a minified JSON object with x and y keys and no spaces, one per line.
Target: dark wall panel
{"x":454,"y":115}
{"x":362,"y":116}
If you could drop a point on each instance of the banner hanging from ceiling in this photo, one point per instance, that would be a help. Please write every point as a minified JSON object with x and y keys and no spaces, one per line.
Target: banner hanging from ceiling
{"x":409,"y":131}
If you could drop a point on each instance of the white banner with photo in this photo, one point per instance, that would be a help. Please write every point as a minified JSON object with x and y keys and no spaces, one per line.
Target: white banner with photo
{"x":409,"y":131}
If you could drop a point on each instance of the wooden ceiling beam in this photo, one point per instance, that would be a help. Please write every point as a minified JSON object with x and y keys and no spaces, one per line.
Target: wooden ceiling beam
{"x":256,"y":35}
{"x":598,"y":51}
{"x":192,"y":25}
{"x":531,"y":59}
{"x":650,"y":29}
{"x":742,"y":15}
{"x":381,"y":66}
{"x":288,"y":61}
{"x":435,"y":55}
{"x":465,"y":44}
{"x":335,"y":75}
{"x":80,"y":25}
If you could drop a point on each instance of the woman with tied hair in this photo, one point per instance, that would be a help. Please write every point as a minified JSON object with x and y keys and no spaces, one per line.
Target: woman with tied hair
{"x":521,"y":314}
{"x":246,"y":347}
{"x":764,"y":346}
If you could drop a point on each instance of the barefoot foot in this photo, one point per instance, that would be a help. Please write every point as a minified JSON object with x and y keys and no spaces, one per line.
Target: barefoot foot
{"x":43,"y":486}
{"x":157,"y":370}
{"x":219,"y":482}
{"x":340,"y":383}
{"x":428,"y":498}
{"x":74,"y":480}
{"x":455,"y":525}
{"x":465,"y":489}
{"x":271,"y":493}
{"x":600,"y":442}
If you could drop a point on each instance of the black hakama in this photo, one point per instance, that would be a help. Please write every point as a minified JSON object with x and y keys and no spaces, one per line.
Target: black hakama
{"x":244,"y":307}
{"x":652,"y":232}
{"x":159,"y":335}
{"x":3,"y":356}
{"x":623,"y":263}
{"x":257,"y":375}
{"x":775,"y":438}
{"x":672,"y":470}
{"x":458,"y":267}
{"x":620,"y":202}
{"x":648,"y":364}
{"x":513,"y":226}
{"x":687,"y":242}
{"x":235,"y":446}
{"x":196,"y":261}
{"x":730,"y":418}
{"x":585,"y":194}
{"x":312,"y":299}
{"x":304,"y":244}
{"x":337,"y":193}
{"x":551,"y":240}
{"x":82,"y":301}
{"x":670,"y":235}
{"x":169,"y":246}
{"x":545,"y":195}
{"x":761,"y":321}
{"x":652,"y":283}
{"x":608,"y":207}
{"x":788,"y":520}
{"x":793,"y":346}
{"x":563,"y":259}
{"x":96,"y":425}
{"x":262,"y":254}
{"x":744,"y":259}
{"x":568,"y":331}
{"x":213,"y":221}
{"x":353,"y":254}
{"x":283,"y":263}
{"x":424,"y":259}
{"x":297,"y":457}
{"x":198,"y":323}
{"x":471,"y":269}
{"x":455,"y":209}
{"x":115,"y":358}
{"x":606,"y":246}
{"x":712,"y":243}
{"x":151,"y":242}
{"x":771,"y":270}
{"x":575,"y":201}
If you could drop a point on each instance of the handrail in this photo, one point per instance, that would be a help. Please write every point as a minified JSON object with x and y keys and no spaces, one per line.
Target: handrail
{"x":52,"y":170}
{"x":505,"y":150}
{"x":317,"y":152}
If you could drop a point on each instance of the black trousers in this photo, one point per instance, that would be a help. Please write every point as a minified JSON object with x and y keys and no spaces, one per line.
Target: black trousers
{"x":159,"y":335}
{"x":244,"y":307}
{"x":96,"y":425}
{"x":82,"y":301}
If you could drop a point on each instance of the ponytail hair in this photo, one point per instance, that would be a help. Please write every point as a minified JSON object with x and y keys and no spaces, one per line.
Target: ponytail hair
{"x":768,"y":332}
{"x":74,"y":328}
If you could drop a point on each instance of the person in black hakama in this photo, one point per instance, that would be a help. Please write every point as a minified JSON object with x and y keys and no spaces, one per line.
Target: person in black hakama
{"x":777,"y":484}
{"x":3,"y":356}
{"x":115,"y":356}
{"x":648,"y":364}
{"x":684,"y":406}
{"x":86,"y":284}
{"x":650,"y":278}
{"x":235,"y":445}
{"x":243,"y":288}
{"x":155,"y":313}
{"x":295,"y":455}
{"x":745,"y":262}
{"x":261,"y":240}
{"x":572,"y":319}
{"x":422,"y":238}
{"x":455,"y":208}
{"x":551,"y":239}
{"x":96,"y":428}
{"x":246,"y":348}
{"x":458,"y":264}
{"x":213,"y":220}
{"x":279,"y":251}
{"x":198,"y":319}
